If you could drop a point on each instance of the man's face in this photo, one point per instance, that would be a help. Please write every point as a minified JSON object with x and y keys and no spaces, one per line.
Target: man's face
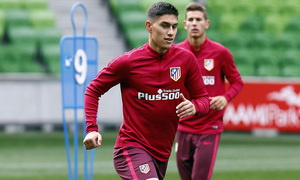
{"x":162,"y":32}
{"x":195,"y":24}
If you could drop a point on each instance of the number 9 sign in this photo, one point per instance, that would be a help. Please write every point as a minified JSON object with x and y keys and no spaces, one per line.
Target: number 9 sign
{"x":80,"y":65}
{"x":79,"y":59}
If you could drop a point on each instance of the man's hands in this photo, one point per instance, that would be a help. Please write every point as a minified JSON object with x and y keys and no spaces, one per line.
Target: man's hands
{"x":92,"y":140}
{"x":218,"y":102}
{"x":185,"y":108}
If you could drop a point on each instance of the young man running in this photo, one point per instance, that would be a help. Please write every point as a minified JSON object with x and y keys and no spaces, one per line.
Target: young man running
{"x":152,"y":80}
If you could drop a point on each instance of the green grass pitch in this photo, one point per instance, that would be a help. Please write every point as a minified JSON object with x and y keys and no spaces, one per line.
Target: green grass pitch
{"x":241,"y":156}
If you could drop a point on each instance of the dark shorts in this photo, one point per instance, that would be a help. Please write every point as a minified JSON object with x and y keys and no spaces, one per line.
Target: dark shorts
{"x":196,"y":155}
{"x":134,"y":163}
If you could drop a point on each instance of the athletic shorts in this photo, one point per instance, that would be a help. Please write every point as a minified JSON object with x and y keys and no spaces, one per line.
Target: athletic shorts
{"x":132,"y":163}
{"x":196,"y":155}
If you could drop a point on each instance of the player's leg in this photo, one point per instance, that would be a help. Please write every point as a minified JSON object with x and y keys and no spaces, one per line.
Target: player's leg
{"x":135,"y":163}
{"x":184,"y":154}
{"x":205,"y":156}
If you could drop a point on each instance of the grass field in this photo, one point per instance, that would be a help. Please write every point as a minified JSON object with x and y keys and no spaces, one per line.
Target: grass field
{"x":42,"y":156}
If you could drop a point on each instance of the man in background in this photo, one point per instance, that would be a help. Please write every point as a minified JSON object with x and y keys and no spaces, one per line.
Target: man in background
{"x":198,"y":137}
{"x":152,"y":80}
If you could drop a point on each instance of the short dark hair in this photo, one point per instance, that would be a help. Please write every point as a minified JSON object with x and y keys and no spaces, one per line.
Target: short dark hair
{"x":194,"y":6}
{"x":159,"y":9}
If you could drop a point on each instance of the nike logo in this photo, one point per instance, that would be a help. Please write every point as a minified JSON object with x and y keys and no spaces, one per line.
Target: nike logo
{"x":206,"y":143}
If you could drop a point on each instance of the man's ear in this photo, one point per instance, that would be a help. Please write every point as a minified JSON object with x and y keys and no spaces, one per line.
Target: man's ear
{"x":207,"y":24}
{"x":148,"y":26}
{"x":184,"y":24}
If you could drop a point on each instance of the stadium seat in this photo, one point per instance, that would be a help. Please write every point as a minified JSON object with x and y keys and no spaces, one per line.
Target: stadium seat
{"x":132,"y":19}
{"x":26,"y":53}
{"x":180,"y":36}
{"x":34,"y":4}
{"x":290,"y":57}
{"x":3,"y":52}
{"x":50,"y":55}
{"x":1,"y":33}
{"x":267,"y":63}
{"x":216,"y":6}
{"x":10,"y":4}
{"x":145,"y":4}
{"x":293,"y":24}
{"x":261,"y":40}
{"x":244,"y":61}
{"x":290,"y":63}
{"x":9,"y":66}
{"x":218,"y":36}
{"x":25,"y":57}
{"x":289,"y":8}
{"x":22,"y":35}
{"x":230,"y":22}
{"x":238,"y":39}
{"x":16,"y":17}
{"x":137,"y":37}
{"x":214,"y":19}
{"x":244,"y":54}
{"x":18,"y":59}
{"x":2,"y":24}
{"x":252,"y":23}
{"x":290,"y":71}
{"x":22,"y":44}
{"x":48,"y":36}
{"x":21,"y":54}
{"x":42,"y":18}
{"x":246,"y":69}
{"x":119,"y":6}
{"x":288,"y":40}
{"x":31,"y":67}
{"x":267,"y":7}
{"x":268,"y":70}
{"x":243,"y":7}
{"x":275,"y":23}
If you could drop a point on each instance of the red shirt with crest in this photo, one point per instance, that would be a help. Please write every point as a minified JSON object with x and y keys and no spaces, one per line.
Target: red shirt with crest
{"x":216,"y":65}
{"x":150,"y":85}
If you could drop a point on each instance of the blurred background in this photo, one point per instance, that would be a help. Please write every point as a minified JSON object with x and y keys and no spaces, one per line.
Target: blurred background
{"x":262,"y":35}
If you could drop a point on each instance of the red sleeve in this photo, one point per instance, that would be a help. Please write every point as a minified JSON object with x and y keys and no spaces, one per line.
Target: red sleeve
{"x":108,"y":77}
{"x":233,"y":76}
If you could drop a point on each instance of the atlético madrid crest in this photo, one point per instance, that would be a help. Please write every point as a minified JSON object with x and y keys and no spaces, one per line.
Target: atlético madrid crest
{"x":175,"y":73}
{"x":208,"y":64}
{"x":144,"y":168}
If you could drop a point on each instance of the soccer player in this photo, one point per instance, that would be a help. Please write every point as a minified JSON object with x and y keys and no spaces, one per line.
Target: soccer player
{"x":198,"y":137}
{"x":152,"y":79}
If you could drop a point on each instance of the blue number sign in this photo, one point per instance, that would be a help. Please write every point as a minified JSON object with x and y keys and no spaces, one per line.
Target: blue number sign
{"x":78,"y":60}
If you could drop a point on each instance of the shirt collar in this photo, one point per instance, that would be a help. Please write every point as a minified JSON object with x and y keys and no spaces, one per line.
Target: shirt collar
{"x":193,"y":47}
{"x":156,"y":54}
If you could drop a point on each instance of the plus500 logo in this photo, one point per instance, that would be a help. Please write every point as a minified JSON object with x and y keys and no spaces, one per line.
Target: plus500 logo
{"x":162,"y":95}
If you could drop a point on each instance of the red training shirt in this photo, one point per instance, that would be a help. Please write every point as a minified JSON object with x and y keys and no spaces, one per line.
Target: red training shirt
{"x":216,"y":64}
{"x":150,"y":84}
